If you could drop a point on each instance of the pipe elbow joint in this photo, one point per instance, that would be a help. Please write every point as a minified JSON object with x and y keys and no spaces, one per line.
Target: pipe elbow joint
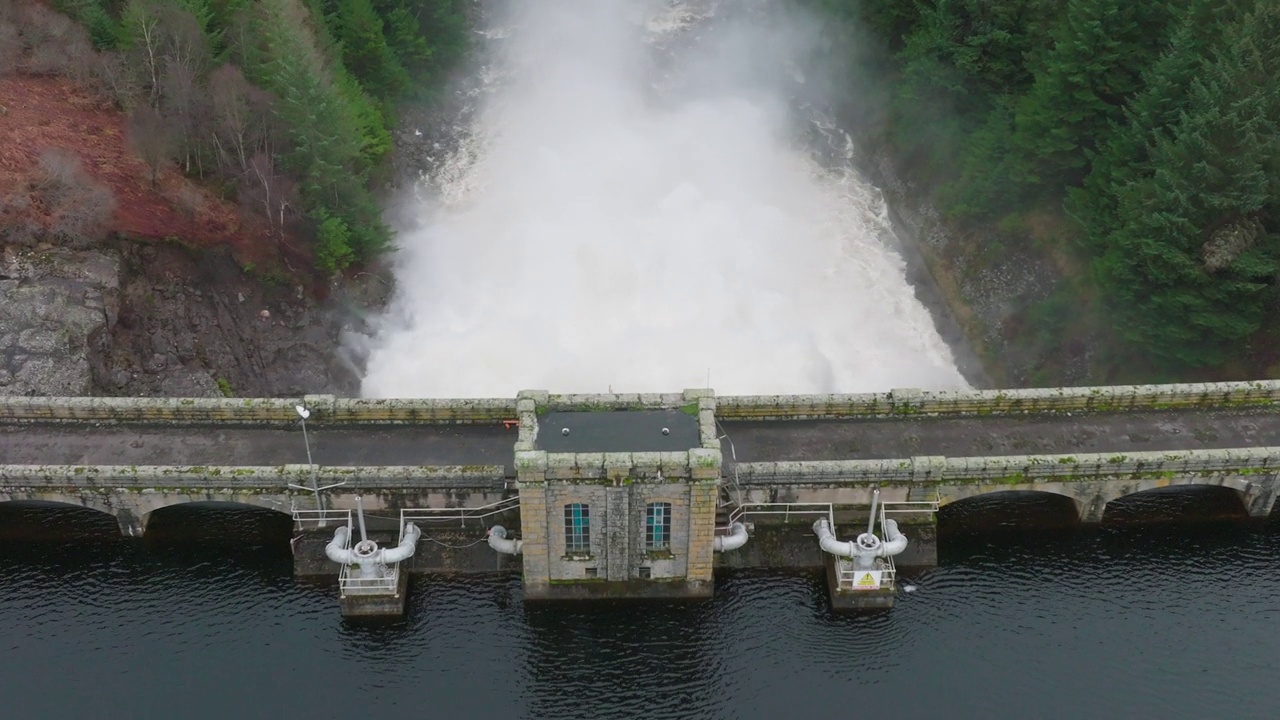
{"x":408,"y":544}
{"x":736,"y":538}
{"x":500,"y":543}
{"x":337,"y":550}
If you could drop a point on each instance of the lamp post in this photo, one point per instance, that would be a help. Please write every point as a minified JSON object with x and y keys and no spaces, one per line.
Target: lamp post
{"x":315,"y":488}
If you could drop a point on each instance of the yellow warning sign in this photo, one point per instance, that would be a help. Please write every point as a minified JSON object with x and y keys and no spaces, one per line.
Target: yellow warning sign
{"x":867,"y":580}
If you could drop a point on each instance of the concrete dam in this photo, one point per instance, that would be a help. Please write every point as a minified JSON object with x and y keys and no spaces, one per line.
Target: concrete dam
{"x":626,"y":495}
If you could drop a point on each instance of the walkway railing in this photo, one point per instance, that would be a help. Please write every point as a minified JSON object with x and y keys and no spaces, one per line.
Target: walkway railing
{"x":349,"y":584}
{"x":319,"y":519}
{"x":745,"y":511}
{"x":883,"y":577}
{"x":462,"y":514}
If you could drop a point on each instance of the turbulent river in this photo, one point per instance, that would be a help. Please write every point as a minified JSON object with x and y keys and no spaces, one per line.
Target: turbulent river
{"x":633,"y":206}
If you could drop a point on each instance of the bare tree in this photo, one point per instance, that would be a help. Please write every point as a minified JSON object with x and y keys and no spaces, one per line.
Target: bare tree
{"x":241,"y":118}
{"x":185,"y":60}
{"x":88,"y":219}
{"x":142,"y":21}
{"x":273,"y":194}
{"x":118,"y":79}
{"x":58,"y":175}
{"x":80,"y":207}
{"x":190,"y":202}
{"x":55,"y":42}
{"x":185,"y":105}
{"x":10,"y":47}
{"x":152,"y":138}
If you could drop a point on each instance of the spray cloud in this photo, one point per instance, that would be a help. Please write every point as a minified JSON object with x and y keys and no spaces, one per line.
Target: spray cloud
{"x":638,"y":227}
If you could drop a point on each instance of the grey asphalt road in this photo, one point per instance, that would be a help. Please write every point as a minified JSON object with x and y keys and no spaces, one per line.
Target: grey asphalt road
{"x":999,"y":435}
{"x":133,"y":445}
{"x":749,"y":441}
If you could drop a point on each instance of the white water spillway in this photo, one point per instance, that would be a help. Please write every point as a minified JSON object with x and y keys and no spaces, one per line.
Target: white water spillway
{"x":617,"y":224}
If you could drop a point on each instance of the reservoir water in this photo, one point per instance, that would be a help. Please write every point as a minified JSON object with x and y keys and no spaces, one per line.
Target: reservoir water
{"x":204,"y":619}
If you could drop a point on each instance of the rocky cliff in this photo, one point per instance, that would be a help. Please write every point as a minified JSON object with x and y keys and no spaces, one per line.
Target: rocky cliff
{"x":129,"y":318}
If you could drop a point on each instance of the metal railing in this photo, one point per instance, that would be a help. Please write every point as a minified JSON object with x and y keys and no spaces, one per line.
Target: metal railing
{"x":885,"y":573}
{"x":745,"y":511}
{"x":909,"y":506}
{"x":319,"y":519}
{"x":881,"y":578}
{"x":388,"y":584}
{"x":462,"y":515}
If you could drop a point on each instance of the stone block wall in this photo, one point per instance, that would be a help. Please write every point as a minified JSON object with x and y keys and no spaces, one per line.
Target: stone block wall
{"x":702,"y":402}
{"x":911,"y":401}
{"x":325,"y":409}
{"x":1011,"y":468}
{"x":278,"y":478}
{"x":617,"y":487}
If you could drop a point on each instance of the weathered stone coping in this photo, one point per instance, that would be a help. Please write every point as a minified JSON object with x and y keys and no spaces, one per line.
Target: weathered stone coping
{"x":1014,"y":468}
{"x":534,"y":465}
{"x":326,"y":409}
{"x":272,"y":478}
{"x":911,"y":401}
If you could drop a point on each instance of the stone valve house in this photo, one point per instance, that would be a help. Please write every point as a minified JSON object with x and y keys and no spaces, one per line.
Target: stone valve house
{"x":618,"y":499}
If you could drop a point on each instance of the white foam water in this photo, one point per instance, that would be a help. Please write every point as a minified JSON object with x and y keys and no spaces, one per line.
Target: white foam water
{"x":601,"y":235}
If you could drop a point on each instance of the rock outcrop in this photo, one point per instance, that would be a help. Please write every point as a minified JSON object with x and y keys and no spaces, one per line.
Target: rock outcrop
{"x":160,"y":319}
{"x":56,"y":309}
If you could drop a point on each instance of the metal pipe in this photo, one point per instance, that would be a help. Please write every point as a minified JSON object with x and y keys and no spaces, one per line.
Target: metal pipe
{"x":866,"y":546}
{"x":367,"y":554}
{"x":736,"y":538}
{"x":498,"y":541}
{"x":364,"y":536}
{"x":871,"y":519}
{"x":337,"y":550}
{"x":405,"y":549}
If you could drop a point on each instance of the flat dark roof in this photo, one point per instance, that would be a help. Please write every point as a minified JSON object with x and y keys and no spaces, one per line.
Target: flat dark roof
{"x":618,"y":431}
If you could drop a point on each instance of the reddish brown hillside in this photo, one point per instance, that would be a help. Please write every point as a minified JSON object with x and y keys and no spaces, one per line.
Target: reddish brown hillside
{"x":42,"y":113}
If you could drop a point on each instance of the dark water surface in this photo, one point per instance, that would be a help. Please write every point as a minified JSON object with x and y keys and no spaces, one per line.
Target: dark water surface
{"x":1134,"y":621}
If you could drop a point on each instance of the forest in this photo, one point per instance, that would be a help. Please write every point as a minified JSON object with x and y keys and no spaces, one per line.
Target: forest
{"x":1153,"y":126}
{"x":284,"y":106}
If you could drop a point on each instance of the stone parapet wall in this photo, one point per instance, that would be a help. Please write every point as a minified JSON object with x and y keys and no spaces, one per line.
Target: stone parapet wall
{"x":699,"y":463}
{"x":158,"y":411}
{"x":1012,"y":468}
{"x":324,"y":409}
{"x":914,"y":402}
{"x":327,"y":409}
{"x":417,"y":411}
{"x":109,"y":478}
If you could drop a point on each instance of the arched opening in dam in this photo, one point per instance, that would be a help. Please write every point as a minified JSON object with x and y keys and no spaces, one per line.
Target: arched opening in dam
{"x":1177,"y":504}
{"x":1007,"y":511}
{"x":219,"y":525}
{"x":42,"y":520}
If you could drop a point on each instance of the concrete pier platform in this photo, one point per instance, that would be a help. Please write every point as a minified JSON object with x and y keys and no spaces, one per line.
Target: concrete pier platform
{"x":854,"y":600}
{"x":377,"y":605}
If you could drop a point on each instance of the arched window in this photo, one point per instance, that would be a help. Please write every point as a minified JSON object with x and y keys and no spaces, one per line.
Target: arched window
{"x":657,"y":526}
{"x":577,"y":528}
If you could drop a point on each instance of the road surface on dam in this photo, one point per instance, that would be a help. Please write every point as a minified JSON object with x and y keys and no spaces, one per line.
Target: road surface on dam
{"x":143,"y":445}
{"x":872,"y":439}
{"x":751,"y":441}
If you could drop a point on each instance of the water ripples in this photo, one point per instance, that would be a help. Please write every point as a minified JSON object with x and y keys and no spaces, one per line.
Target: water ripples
{"x":1146,"y":621}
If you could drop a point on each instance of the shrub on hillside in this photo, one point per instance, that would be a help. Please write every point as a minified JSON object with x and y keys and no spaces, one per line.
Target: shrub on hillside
{"x":79,"y":208}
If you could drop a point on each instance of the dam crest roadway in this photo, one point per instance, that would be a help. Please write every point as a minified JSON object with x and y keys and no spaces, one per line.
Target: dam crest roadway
{"x":640,"y":495}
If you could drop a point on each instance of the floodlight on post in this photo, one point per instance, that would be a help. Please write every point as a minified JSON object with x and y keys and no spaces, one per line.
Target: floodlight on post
{"x":304,"y":413}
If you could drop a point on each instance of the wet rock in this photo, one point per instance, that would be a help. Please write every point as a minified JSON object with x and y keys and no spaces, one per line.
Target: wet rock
{"x":55,"y":305}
